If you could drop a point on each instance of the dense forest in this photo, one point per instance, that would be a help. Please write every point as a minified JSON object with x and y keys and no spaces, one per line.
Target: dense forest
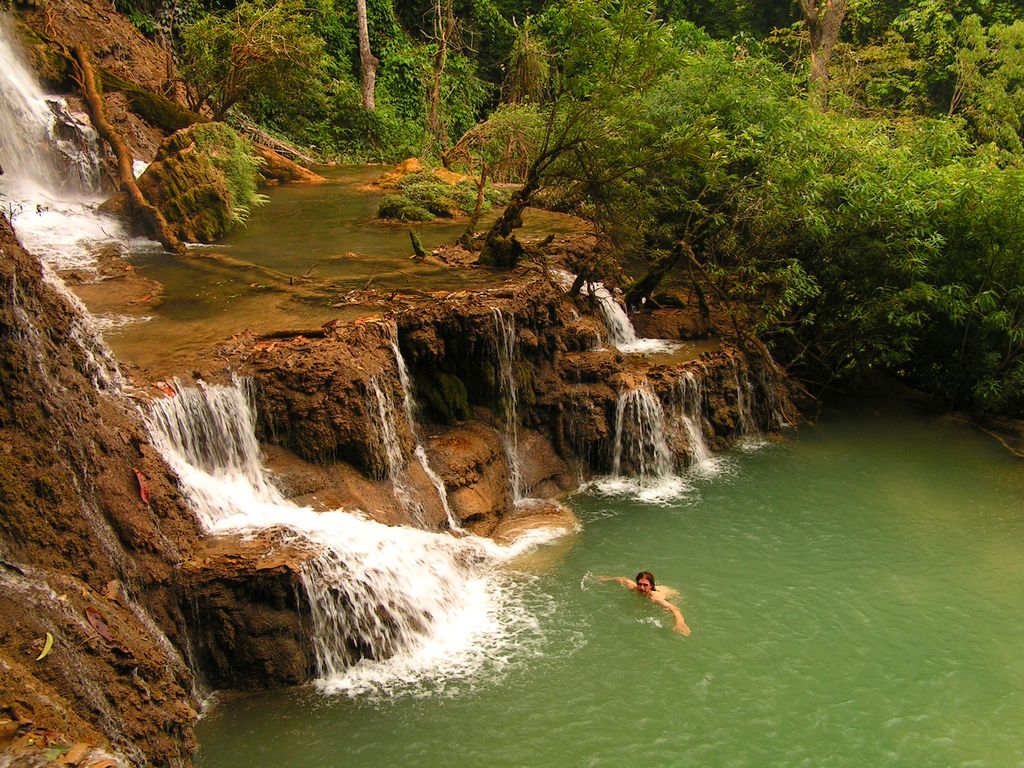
{"x":848,"y":174}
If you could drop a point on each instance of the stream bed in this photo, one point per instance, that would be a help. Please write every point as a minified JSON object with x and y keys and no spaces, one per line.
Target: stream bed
{"x":855,"y":593}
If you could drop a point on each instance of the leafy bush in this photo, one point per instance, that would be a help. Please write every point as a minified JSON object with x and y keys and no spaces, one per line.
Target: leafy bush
{"x":233,"y":156}
{"x":423,"y":196}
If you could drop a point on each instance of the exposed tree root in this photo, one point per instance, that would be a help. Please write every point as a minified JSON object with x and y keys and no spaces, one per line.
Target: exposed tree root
{"x":137,"y":201}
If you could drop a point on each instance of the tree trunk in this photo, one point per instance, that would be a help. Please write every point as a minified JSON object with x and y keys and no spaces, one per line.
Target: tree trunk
{"x":137,"y":201}
{"x":500,"y":249}
{"x":824,"y":19}
{"x":444,"y":23}
{"x":466,"y":239}
{"x":367,"y":61}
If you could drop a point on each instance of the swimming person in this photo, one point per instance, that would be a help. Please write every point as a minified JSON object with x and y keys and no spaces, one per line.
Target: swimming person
{"x":645,"y":587}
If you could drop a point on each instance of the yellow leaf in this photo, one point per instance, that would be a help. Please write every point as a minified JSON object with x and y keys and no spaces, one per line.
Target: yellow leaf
{"x":46,"y":646}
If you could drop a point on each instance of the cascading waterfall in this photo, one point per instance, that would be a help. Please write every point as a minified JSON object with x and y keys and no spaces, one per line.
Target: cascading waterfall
{"x":410,"y":415}
{"x":621,"y":333}
{"x":642,"y":461}
{"x":640,"y":443}
{"x":390,"y":605}
{"x":51,"y":210}
{"x":393,"y":453}
{"x":690,"y":407}
{"x":746,"y":423}
{"x":505,"y":343}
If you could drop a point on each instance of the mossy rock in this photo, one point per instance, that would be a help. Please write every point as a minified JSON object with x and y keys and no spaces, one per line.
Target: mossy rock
{"x":424,"y":195}
{"x":447,"y":397}
{"x":203,"y":180}
{"x":401,"y":209}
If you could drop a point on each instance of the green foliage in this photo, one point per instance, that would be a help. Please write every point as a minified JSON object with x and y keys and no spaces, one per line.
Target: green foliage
{"x":233,"y":156}
{"x":424,"y":196}
{"x":141,"y":13}
{"x":258,"y":49}
{"x":528,"y":70}
{"x":989,"y":81}
{"x":505,"y":142}
{"x":855,"y":245}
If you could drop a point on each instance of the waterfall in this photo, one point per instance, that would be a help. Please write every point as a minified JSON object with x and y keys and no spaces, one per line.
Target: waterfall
{"x":640,"y":443}
{"x":642,"y":462}
{"x":393,"y":453}
{"x":26,"y":122}
{"x":390,"y":606}
{"x":746,"y":423}
{"x":505,"y":344}
{"x":47,"y":188}
{"x":690,"y":408}
{"x":419,"y":451}
{"x":621,"y":333}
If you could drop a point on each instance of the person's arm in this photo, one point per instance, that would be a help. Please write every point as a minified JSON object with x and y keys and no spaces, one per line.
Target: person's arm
{"x":627,"y":583}
{"x":680,"y":622}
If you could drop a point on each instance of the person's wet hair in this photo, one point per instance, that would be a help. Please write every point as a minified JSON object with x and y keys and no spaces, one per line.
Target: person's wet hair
{"x":646,"y":575}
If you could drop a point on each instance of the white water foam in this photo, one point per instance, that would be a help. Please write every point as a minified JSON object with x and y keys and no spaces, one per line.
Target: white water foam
{"x":53,"y":215}
{"x":621,"y":333}
{"x":393,"y":608}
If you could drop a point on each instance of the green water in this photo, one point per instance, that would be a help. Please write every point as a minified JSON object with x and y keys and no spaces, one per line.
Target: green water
{"x":855,"y":594}
{"x":304,"y":258}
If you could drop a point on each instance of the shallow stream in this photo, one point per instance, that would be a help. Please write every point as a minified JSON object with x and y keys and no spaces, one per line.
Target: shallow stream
{"x":308,"y":256}
{"x":855,"y":594}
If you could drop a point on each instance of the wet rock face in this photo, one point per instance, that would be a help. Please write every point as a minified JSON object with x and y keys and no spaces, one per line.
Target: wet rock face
{"x":247,"y":613}
{"x":77,"y":534}
{"x":320,"y":398}
{"x":317,"y":397}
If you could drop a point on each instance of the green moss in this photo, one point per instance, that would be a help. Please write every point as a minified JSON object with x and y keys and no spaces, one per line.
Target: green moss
{"x":203,"y":180}
{"x":524,"y":384}
{"x":233,"y":156}
{"x":447,"y":397}
{"x":156,"y":110}
{"x":402,"y":209}
{"x":423,"y":196}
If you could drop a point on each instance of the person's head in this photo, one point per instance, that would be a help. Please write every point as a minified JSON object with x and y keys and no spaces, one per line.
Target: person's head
{"x":645,"y":582}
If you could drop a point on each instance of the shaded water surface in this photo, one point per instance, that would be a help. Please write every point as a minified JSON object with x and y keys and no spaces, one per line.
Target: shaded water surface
{"x":855,"y":595}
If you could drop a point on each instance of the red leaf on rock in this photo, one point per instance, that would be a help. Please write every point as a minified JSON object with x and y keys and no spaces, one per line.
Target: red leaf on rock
{"x":143,"y":486}
{"x":97,"y":622}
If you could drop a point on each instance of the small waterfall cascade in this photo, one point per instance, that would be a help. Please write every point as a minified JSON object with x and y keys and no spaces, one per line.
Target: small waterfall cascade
{"x":391,"y":443}
{"x":50,"y":170}
{"x":640,"y":444}
{"x":390,"y":605}
{"x":505,"y":343}
{"x":26,"y":121}
{"x":419,"y":451}
{"x":745,"y":398}
{"x":689,"y":410}
{"x":621,"y":333}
